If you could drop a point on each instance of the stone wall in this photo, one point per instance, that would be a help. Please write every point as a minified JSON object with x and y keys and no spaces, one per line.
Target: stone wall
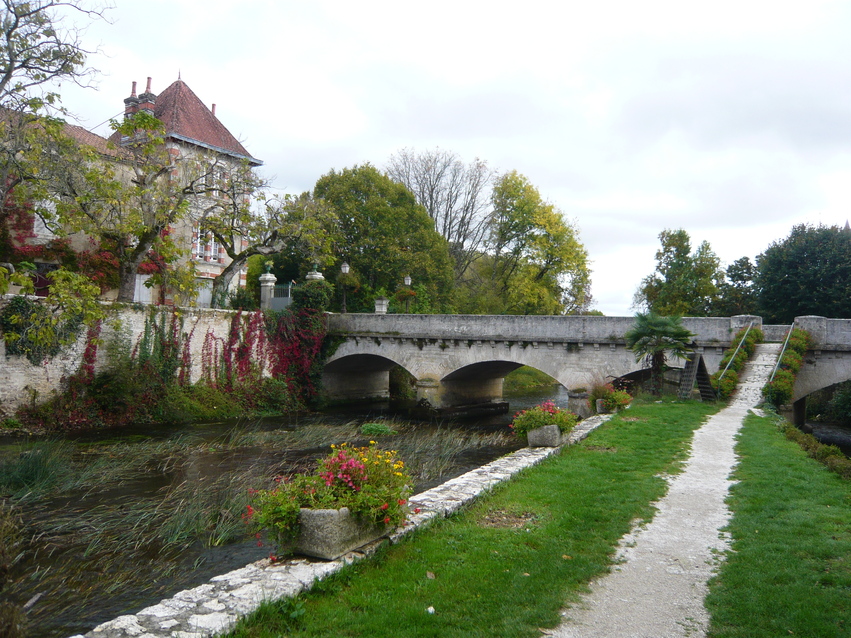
{"x":22,"y":382}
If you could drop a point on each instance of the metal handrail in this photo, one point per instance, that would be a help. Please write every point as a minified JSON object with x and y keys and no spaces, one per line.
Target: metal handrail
{"x":733,"y":358}
{"x":782,"y":350}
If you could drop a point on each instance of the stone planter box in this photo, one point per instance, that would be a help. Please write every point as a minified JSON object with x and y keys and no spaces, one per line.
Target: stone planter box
{"x":329,"y":534}
{"x":544,"y":436}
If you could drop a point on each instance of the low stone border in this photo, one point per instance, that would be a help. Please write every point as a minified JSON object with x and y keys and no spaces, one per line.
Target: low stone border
{"x":215,"y":607}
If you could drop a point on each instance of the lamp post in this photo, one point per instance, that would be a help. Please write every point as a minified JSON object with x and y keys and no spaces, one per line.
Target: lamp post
{"x":344,"y":268}
{"x":407,"y":281}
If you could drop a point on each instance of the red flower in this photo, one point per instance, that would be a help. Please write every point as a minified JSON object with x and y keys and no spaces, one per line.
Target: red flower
{"x":386,"y":520}
{"x":402,"y":501}
{"x":417,"y":510}
{"x":385,"y":506}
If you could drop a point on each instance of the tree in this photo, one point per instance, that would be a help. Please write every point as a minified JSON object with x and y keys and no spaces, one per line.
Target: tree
{"x":245,"y":223}
{"x":808,"y":273}
{"x":684,"y":283}
{"x":127,"y":200}
{"x":736,"y":293}
{"x":37,"y":48}
{"x":652,"y":337}
{"x":535,"y":263}
{"x":455,"y":196}
{"x":384,"y":235}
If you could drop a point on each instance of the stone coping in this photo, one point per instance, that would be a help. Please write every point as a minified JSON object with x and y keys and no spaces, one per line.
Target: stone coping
{"x":216,"y":606}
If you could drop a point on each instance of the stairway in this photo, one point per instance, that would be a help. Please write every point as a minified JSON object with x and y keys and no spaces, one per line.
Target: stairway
{"x":695,"y":371}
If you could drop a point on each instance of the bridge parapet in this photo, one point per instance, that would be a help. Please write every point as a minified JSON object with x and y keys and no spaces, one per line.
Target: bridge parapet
{"x":709,"y":331}
{"x":827,"y":334}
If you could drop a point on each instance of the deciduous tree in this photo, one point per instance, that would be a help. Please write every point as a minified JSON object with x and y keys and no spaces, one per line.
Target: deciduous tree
{"x":534,"y":262}
{"x":128,"y":200}
{"x":455,"y":195}
{"x":38,"y":46}
{"x":247,"y":225}
{"x":685,"y":283}
{"x":384,"y":234}
{"x":736,"y":293}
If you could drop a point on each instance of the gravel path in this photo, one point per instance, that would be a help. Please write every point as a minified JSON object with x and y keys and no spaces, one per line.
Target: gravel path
{"x":657,"y":589}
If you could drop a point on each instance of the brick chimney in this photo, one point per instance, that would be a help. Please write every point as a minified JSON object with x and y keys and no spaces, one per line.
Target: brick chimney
{"x":131,"y":104}
{"x":147,"y":100}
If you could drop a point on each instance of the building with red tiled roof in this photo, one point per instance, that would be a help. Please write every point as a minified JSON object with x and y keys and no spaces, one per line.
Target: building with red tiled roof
{"x":192,"y":130}
{"x":193,"y":133}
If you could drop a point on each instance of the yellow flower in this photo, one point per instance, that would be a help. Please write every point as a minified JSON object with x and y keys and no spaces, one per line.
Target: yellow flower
{"x":372,"y":442}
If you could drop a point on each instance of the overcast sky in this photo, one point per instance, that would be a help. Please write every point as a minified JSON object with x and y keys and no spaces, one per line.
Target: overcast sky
{"x":731,"y":120}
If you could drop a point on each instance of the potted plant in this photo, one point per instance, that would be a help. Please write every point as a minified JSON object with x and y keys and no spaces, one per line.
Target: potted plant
{"x":355,"y":496}
{"x":544,"y":424}
{"x":605,"y":399}
{"x":616,"y":400}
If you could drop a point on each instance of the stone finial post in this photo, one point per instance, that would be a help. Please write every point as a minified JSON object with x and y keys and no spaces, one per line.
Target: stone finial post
{"x":381,"y":305}
{"x":267,"y":290}
{"x":315,"y":275}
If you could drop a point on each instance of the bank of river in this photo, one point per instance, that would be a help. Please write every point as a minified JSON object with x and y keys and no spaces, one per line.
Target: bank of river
{"x":112,"y":523}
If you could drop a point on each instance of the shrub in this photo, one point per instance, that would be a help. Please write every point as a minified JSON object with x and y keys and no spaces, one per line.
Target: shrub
{"x":839,"y":407}
{"x":243,"y":299}
{"x":799,"y":341}
{"x":616,"y":400}
{"x":369,"y":481}
{"x":545,"y":414}
{"x":791,"y":360}
{"x":599,"y":390}
{"x":778,"y":391}
{"x":31,"y":330}
{"x":376,"y":429}
{"x":726,"y":385}
{"x":312,"y":295}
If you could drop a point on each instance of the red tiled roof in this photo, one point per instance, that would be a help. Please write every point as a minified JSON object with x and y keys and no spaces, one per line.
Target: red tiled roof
{"x":186,"y":118}
{"x":100,"y":144}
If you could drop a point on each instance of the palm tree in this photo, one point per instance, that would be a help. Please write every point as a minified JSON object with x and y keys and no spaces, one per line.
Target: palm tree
{"x":652,"y":337}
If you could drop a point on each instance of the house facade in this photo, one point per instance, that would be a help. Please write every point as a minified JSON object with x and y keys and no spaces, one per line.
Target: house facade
{"x":193,"y":132}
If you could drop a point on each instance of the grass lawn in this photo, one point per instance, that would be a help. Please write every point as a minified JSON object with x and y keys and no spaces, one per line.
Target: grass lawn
{"x":505,"y":566}
{"x":790,"y":571}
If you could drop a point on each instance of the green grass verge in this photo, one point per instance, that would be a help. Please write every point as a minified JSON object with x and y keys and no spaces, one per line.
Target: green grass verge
{"x":524,"y":379}
{"x":789,"y":573}
{"x":505,"y":566}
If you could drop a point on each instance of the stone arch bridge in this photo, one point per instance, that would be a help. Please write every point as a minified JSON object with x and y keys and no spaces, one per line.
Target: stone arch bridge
{"x":461,"y":360}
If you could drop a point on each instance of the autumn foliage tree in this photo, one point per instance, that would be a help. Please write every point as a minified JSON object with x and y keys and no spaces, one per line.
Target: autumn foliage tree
{"x":533,"y":261}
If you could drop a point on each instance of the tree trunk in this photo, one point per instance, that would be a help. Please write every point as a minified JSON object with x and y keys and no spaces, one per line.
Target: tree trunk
{"x":222,"y":283}
{"x":126,"y":283}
